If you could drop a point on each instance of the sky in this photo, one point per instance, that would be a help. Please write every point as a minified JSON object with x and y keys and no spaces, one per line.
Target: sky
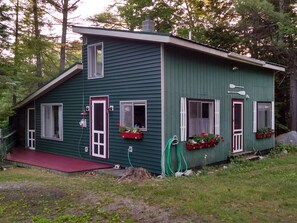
{"x":86,"y":9}
{"x":90,"y":7}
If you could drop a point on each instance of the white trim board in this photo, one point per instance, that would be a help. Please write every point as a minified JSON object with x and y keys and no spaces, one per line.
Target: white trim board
{"x":52,"y":84}
{"x":168,"y":39}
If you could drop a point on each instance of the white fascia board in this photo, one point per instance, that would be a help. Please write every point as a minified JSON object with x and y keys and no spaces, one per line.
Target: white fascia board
{"x":122,"y":34}
{"x":178,"y":42}
{"x":274,"y":67}
{"x":246,"y":59}
{"x":198,"y":47}
{"x":226,"y":55}
{"x":52,"y":84}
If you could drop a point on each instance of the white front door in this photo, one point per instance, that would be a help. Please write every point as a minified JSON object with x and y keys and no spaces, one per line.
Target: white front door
{"x":237,"y":126}
{"x":31,"y":128}
{"x":99,"y":128}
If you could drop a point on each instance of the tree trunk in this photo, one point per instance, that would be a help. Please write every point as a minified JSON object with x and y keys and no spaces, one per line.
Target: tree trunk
{"x":37,"y":47}
{"x":64,"y":33}
{"x":16,"y":52}
{"x":293,"y":95}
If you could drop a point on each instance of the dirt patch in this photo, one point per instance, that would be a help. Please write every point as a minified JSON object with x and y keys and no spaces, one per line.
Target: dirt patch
{"x":23,"y":200}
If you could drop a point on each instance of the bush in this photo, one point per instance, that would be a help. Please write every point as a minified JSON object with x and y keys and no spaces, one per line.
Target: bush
{"x":283,"y":147}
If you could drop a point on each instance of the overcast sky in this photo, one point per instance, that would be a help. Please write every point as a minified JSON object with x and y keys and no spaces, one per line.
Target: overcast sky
{"x":90,"y":7}
{"x":87,"y":8}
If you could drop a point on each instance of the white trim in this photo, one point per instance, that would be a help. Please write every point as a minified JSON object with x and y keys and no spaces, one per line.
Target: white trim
{"x":255,"y":113}
{"x":272,"y":115}
{"x":217,"y":117}
{"x":133,"y":102}
{"x":183,"y":119}
{"x":246,"y":59}
{"x":52,"y":84}
{"x":176,"y":41}
{"x":162,"y":107}
{"x":60,"y":120}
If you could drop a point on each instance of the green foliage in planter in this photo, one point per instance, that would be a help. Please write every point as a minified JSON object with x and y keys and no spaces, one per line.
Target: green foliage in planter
{"x":264,"y":130}
{"x":127,"y":129}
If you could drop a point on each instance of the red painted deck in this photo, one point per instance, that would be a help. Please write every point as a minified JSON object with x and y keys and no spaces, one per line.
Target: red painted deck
{"x":53,"y":162}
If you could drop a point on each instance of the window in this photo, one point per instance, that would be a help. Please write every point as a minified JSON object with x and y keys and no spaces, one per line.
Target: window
{"x":264,"y":115}
{"x":200,"y":117}
{"x":134,"y":113}
{"x":95,"y":61}
{"x":52,"y":121}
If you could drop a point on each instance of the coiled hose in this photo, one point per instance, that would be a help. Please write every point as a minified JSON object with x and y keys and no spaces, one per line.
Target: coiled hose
{"x":167,"y":169}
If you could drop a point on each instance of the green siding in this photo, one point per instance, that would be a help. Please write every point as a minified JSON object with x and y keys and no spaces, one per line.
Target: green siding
{"x":196,"y":75}
{"x":131,"y":72}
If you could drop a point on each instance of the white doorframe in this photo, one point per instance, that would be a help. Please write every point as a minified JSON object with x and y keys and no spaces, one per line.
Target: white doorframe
{"x":237,"y":125}
{"x":31,"y":128}
{"x":99,"y":127}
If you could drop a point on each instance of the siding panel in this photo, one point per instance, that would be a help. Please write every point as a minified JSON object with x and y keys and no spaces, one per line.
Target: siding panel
{"x":195,"y":75}
{"x":131,"y":72}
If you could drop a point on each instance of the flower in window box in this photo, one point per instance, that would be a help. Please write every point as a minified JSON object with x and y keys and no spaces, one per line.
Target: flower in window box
{"x":130,"y":133}
{"x":203,"y":140}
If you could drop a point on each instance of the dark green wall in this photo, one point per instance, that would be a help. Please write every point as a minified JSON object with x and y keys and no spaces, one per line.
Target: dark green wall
{"x":131,"y":72}
{"x":196,"y":75}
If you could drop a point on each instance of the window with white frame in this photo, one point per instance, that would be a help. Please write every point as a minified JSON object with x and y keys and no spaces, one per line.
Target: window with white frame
{"x":52,"y":121}
{"x":264,"y":115}
{"x":197,"y":116}
{"x":200,"y":117}
{"x":133,"y":114}
{"x":95,"y":61}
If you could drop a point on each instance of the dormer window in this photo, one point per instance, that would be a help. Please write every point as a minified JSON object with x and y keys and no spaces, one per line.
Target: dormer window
{"x":95,"y":61}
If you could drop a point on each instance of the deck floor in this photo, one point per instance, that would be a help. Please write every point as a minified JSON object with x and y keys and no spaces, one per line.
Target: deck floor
{"x":52,"y":161}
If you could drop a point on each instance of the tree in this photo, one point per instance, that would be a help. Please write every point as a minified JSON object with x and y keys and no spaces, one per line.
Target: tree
{"x":65,"y":7}
{"x":268,"y":32}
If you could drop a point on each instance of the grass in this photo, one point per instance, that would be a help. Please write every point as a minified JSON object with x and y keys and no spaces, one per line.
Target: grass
{"x":261,"y":191}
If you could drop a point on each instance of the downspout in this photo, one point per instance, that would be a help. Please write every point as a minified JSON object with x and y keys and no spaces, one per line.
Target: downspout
{"x":162,"y":108}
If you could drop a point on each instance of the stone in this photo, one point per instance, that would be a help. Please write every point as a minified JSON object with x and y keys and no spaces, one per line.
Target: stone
{"x":287,"y":138}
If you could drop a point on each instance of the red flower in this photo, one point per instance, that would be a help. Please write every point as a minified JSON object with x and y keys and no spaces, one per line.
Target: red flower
{"x":118,"y":124}
{"x":203,"y":134}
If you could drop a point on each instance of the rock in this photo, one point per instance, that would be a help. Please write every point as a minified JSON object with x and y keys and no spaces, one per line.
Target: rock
{"x":287,"y":138}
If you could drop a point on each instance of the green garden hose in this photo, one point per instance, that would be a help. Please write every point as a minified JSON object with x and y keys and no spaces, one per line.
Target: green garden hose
{"x":167,"y":169}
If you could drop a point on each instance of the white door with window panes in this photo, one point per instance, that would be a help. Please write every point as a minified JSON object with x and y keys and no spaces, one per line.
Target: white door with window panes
{"x":31,"y":128}
{"x":237,"y":126}
{"x":99,"y":128}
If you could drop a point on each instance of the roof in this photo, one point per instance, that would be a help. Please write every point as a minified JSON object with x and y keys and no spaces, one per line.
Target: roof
{"x":167,"y":38}
{"x":65,"y":75}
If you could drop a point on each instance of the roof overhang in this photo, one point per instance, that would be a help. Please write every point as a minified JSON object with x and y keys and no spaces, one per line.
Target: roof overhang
{"x":169,"y":39}
{"x":67,"y":74}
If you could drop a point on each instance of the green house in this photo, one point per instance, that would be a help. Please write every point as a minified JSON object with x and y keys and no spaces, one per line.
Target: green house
{"x":154,"y":86}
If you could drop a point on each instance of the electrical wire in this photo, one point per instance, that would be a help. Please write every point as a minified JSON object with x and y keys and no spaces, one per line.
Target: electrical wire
{"x":79,"y":141}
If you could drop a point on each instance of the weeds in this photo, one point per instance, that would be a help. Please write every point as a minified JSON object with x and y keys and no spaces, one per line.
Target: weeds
{"x":283,"y":149}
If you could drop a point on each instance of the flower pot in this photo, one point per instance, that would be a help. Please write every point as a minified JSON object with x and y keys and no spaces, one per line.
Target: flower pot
{"x":131,"y":135}
{"x":260,"y":135}
{"x":193,"y":146}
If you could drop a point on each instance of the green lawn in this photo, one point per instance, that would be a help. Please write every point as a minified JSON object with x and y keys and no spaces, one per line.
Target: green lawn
{"x":261,"y":191}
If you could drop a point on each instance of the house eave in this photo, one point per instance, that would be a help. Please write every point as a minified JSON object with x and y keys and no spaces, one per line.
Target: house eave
{"x":169,"y":39}
{"x":51,"y":85}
